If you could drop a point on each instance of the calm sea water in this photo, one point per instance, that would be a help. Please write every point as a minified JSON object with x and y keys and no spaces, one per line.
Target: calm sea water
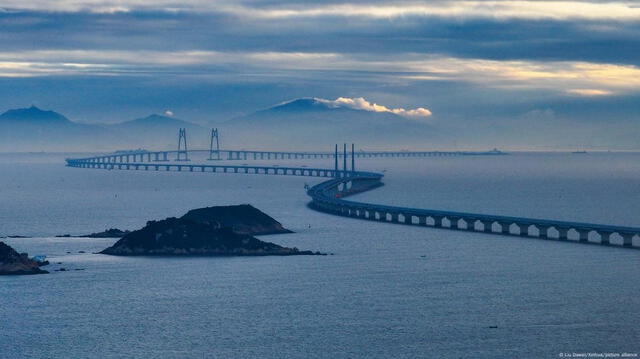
{"x":388,"y":290}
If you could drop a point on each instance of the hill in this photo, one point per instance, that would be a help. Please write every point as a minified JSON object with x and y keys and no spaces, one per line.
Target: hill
{"x":313,"y":123}
{"x":34,"y":116}
{"x":34,"y":129}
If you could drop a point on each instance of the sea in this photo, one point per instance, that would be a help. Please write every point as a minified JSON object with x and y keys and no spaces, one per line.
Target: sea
{"x":384,"y":290}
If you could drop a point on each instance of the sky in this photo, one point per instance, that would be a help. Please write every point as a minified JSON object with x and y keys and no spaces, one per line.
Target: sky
{"x":555,"y":73}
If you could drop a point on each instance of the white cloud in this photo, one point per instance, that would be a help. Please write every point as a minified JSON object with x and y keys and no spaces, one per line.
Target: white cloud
{"x":589,"y":92}
{"x":575,"y":78}
{"x":524,"y":9}
{"x":360,"y":103}
{"x":520,"y":9}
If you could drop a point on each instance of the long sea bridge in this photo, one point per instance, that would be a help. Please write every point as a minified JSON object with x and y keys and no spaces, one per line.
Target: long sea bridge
{"x":245,"y":155}
{"x":329,"y":196}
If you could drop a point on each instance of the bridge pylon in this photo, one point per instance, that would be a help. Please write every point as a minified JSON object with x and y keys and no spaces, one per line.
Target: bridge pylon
{"x":344,"y":160}
{"x":335,"y":156}
{"x":182,"y":154}
{"x":353,"y":157}
{"x":214,"y":146}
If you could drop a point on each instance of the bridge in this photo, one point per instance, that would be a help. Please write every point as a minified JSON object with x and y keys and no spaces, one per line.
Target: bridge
{"x":329,"y":196}
{"x":216,"y":153}
{"x":245,"y":155}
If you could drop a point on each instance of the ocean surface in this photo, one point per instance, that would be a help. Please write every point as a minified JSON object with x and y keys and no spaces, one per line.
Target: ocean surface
{"x":387,"y":291}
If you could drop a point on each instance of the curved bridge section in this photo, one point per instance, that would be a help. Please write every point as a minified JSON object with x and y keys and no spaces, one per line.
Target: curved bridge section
{"x":329,"y":197}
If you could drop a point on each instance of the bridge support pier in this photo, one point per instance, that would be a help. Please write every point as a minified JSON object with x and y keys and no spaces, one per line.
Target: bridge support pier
{"x":562,"y":234}
{"x":471,"y":224}
{"x":543,"y":231}
{"x":627,"y":239}
{"x":488,"y":226}
{"x":505,"y":227}
{"x":524,"y":230}
{"x":605,"y":237}
{"x":583,"y":235}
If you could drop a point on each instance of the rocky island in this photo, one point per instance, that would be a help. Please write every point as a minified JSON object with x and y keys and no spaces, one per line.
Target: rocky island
{"x":183,"y":236}
{"x":109,"y":233}
{"x":242,"y":219}
{"x":13,"y":263}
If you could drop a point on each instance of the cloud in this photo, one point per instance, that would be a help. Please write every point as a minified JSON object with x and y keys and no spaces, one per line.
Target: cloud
{"x":168,"y":113}
{"x":573,"y":77}
{"x":519,"y":9}
{"x":360,"y":103}
{"x":577,"y":78}
{"x":507,"y":9}
{"x":589,"y":92}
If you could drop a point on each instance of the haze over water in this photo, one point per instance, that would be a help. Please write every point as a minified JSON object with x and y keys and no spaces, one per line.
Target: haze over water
{"x":388,"y":290}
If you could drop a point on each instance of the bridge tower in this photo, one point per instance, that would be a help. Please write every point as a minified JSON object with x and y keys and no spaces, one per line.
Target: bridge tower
{"x":335,"y":173}
{"x":214,"y":154}
{"x":182,"y":154}
{"x":353,"y":157}
{"x":344,"y":160}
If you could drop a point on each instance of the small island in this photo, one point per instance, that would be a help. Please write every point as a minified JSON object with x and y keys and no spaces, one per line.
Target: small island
{"x":109,"y":233}
{"x":183,"y":236}
{"x":14,"y":263}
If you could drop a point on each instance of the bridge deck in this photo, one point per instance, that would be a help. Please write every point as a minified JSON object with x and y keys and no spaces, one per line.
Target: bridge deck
{"x":230,"y":154}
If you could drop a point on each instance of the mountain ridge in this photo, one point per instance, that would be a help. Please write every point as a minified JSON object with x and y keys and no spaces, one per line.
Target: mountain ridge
{"x":311,"y":122}
{"x":33,"y":114}
{"x":35,"y":129}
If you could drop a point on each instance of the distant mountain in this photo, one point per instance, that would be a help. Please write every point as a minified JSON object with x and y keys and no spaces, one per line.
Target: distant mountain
{"x":33,"y":116}
{"x":314,"y":111}
{"x":314,"y":123}
{"x":34,"y":129}
{"x":155,"y":121}
{"x":157,"y":131}
{"x":304,"y":123}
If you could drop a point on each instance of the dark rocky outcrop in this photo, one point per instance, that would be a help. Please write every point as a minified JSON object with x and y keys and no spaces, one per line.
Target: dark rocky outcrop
{"x":12,"y":262}
{"x":109,"y":233}
{"x":182,"y":236}
{"x":243,"y":219}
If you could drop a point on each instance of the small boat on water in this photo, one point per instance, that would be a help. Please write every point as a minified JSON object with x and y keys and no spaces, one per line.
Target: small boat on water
{"x":579,"y":152}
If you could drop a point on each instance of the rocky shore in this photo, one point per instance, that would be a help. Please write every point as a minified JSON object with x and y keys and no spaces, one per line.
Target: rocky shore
{"x":182,"y":236}
{"x":14,"y":263}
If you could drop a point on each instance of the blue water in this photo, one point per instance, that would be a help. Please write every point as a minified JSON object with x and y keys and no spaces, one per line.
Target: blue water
{"x":388,"y":290}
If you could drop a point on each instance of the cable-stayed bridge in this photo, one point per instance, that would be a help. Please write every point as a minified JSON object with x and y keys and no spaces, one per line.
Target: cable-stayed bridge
{"x":329,"y":196}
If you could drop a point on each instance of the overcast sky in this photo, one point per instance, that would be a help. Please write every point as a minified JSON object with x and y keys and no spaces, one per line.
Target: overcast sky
{"x":573,"y":66}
